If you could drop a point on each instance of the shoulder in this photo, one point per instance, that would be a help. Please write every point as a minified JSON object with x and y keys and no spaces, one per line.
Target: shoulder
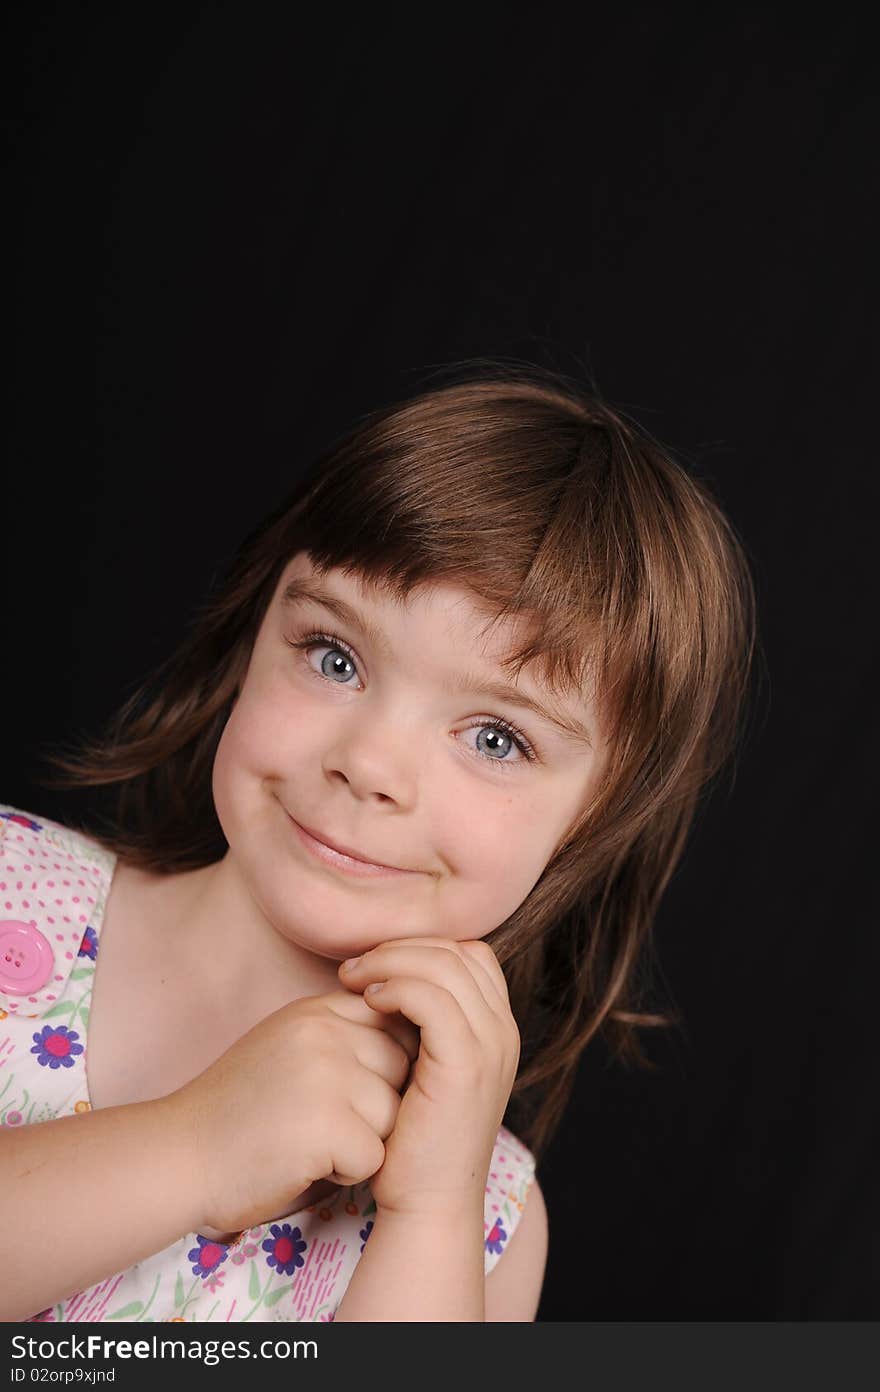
{"x":513,"y":1288}
{"x":29,"y":836}
{"x":55,"y":882}
{"x":517,"y":1232}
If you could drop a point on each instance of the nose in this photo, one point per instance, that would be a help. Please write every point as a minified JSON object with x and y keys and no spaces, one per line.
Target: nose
{"x":377,"y":758}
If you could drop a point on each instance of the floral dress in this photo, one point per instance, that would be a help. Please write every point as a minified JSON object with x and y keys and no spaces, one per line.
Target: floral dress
{"x":54,"y":884}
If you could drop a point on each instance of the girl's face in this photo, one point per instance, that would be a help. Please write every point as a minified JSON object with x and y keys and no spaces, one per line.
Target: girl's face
{"x":366,"y":721}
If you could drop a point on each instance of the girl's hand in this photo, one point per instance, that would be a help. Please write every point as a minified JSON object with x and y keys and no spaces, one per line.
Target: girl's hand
{"x":309,"y":1093}
{"x":439,"y":1152}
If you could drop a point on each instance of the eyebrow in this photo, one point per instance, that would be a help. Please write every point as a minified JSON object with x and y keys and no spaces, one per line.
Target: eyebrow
{"x":298,"y":590}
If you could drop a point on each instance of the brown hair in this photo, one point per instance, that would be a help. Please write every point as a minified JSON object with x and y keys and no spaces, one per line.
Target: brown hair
{"x":552,"y":507}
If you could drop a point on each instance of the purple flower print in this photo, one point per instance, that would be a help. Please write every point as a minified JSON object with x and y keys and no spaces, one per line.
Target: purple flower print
{"x":89,"y":945}
{"x":497,"y":1237}
{"x":284,"y":1248}
{"x":56,"y":1046}
{"x":21,"y":820}
{"x":207,"y":1256}
{"x":365,"y":1233}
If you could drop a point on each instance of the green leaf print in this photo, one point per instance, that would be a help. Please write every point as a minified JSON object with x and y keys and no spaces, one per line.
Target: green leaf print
{"x":178,"y":1292}
{"x":59,"y":1008}
{"x":151,"y":1299}
{"x":254,"y":1284}
{"x":275,"y":1295}
{"x":371,"y":1208}
{"x":127,"y":1311}
{"x":84,"y":1015}
{"x":191,"y":1295}
{"x":259,"y":1297}
{"x":80,"y":972}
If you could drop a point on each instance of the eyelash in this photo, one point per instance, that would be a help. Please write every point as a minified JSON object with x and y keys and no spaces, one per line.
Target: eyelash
{"x":329,"y":640}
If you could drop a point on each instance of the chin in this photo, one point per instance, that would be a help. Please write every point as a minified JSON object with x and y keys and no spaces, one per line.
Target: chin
{"x":312,"y":928}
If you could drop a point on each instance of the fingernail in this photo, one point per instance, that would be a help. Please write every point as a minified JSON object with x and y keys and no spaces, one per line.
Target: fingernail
{"x":350,"y":962}
{"x":373,"y":987}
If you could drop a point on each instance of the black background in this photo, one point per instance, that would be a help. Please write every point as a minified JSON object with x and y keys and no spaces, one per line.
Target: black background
{"x":234,"y":229}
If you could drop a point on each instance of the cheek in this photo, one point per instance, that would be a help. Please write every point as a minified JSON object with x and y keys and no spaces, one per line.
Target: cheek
{"x":501,"y":847}
{"x":480,"y":902}
{"x":250,"y":750}
{"x":239,"y":743}
{"x":500,"y":855}
{"x":225,"y":773}
{"x":514,"y":821}
{"x":264,"y":730}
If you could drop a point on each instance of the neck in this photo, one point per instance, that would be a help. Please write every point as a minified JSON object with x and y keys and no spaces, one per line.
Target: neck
{"x":227,"y":947}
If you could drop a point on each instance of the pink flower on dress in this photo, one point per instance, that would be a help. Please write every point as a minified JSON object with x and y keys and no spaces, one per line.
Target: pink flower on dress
{"x":89,"y":945}
{"x":21,"y":820}
{"x":242,"y":1254}
{"x":497,"y":1237}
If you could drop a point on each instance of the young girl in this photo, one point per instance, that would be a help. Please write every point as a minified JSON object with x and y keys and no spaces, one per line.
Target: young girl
{"x":391,"y":830}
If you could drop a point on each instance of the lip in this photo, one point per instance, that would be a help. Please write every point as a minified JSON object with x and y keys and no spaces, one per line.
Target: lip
{"x":343,"y":858}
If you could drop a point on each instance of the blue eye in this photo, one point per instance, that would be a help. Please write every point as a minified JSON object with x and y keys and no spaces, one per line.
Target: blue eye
{"x":337,"y":666}
{"x":496,"y":736}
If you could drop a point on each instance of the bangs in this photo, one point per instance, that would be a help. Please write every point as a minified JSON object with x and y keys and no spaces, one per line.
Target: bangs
{"x":518,"y":515}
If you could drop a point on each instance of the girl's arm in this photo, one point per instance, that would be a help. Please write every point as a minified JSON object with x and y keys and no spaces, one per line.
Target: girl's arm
{"x":110,"y":1187}
{"x":430,"y":1269}
{"x":419,"y":1267}
{"x":513,"y":1286}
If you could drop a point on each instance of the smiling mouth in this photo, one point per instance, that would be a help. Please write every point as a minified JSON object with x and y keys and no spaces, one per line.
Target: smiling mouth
{"x":343,"y":860}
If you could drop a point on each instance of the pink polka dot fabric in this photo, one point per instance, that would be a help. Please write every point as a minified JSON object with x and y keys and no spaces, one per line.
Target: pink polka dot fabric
{"x":52,"y":885}
{"x":297,"y":1269}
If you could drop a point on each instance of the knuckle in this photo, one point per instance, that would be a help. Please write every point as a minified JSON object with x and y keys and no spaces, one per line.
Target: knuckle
{"x":455,"y":947}
{"x":401,"y":1055}
{"x":323,"y":1032}
{"x":482,"y":949}
{"x":393,"y":1109}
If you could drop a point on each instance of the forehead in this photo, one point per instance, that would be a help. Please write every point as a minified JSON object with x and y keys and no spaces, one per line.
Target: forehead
{"x":456,"y":609}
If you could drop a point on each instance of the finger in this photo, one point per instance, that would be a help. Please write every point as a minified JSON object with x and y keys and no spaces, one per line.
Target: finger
{"x":479,"y":956}
{"x":356,"y":1153}
{"x":383,"y":1055}
{"x":351,"y":1006}
{"x":441,"y":964}
{"x":405,"y":1032}
{"x":376,"y":1102}
{"x":482,"y":954}
{"x":401,"y":1030}
{"x":446,"y":1032}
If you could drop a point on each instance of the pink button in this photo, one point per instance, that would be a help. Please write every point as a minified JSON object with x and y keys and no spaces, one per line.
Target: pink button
{"x":26,"y":959}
